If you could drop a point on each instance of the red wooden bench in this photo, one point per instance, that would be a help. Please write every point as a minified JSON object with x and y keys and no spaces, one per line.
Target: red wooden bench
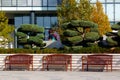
{"x":97,"y":60}
{"x":19,"y":60}
{"x":57,"y":60}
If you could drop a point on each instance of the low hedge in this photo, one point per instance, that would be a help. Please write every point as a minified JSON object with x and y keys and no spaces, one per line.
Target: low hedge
{"x":67,"y":50}
{"x":8,"y":51}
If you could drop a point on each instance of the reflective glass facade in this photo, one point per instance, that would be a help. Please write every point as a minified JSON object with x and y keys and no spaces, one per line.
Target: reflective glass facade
{"x":111,"y":7}
{"x":47,"y":22}
{"x":21,"y":20}
{"x":28,"y":3}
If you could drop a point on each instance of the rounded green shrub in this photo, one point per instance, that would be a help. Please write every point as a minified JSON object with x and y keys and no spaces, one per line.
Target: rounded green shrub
{"x":30,"y":34}
{"x":21,"y":35}
{"x":115,"y":27}
{"x":118,"y":33}
{"x":75,"y":40}
{"x":41,"y":36}
{"x":110,"y":34}
{"x":78,"y":23}
{"x":75,"y":22}
{"x":22,"y":41}
{"x":91,"y":36}
{"x":79,"y":33}
{"x":111,"y":42}
{"x":70,"y":33}
{"x":65,"y":25}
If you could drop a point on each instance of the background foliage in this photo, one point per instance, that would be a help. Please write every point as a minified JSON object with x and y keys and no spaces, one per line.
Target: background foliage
{"x":6,"y":30}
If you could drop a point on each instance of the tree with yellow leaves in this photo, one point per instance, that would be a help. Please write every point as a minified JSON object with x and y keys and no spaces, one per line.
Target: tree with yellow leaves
{"x":84,"y":10}
{"x":67,"y":11}
{"x":99,"y":17}
{"x":5,"y":29}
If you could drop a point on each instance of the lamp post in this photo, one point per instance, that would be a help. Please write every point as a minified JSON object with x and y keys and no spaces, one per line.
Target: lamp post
{"x":15,"y":38}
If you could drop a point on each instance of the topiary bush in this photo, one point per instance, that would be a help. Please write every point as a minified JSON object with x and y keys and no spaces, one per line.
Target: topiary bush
{"x":79,"y":33}
{"x":30,"y":36}
{"x":91,"y":36}
{"x":70,"y":33}
{"x":111,"y":42}
{"x":113,"y":38}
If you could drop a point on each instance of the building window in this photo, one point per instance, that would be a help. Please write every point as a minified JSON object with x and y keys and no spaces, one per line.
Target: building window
{"x":18,"y":21}
{"x":93,"y":1}
{"x":21,"y":20}
{"x":52,"y":2}
{"x":109,"y":0}
{"x":39,"y":21}
{"x":29,"y":2}
{"x":6,"y":2}
{"x":117,"y":12}
{"x":46,"y":34}
{"x":47,"y":22}
{"x":37,"y":2}
{"x":53,"y":21}
{"x":110,"y":12}
{"x":22,"y":2}
{"x":26,"y":19}
{"x":59,"y":2}
{"x":0,"y":2}
{"x":102,"y":1}
{"x":117,"y":0}
{"x":45,"y":3}
{"x":14,"y":3}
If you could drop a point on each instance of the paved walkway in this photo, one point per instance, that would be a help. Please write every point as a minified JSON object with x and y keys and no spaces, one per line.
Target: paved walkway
{"x":42,"y":75}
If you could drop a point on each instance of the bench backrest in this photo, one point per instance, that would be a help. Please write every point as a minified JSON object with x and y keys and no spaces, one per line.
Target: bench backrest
{"x":99,"y":59}
{"x":58,"y":59}
{"x":19,"y":59}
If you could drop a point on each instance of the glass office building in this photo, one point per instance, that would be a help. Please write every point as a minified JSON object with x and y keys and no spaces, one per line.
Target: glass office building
{"x":43,"y":12}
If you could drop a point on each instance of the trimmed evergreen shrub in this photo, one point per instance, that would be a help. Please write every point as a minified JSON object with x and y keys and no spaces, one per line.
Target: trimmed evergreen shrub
{"x":31,"y":35}
{"x":111,"y":42}
{"x":21,"y":34}
{"x":94,"y":30}
{"x":110,"y":34}
{"x":31,"y":28}
{"x":115,"y":27}
{"x":70,"y":33}
{"x":65,"y":25}
{"x":75,"y":22}
{"x":78,"y":23}
{"x":118,"y":33}
{"x":79,"y":33}
{"x":35,"y":40}
{"x":75,"y":39}
{"x":22,"y":41}
{"x":91,"y":36}
{"x":41,"y":36}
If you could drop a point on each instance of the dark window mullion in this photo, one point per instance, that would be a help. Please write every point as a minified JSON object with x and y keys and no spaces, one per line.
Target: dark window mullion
{"x":114,"y":10}
{"x":16,"y":2}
